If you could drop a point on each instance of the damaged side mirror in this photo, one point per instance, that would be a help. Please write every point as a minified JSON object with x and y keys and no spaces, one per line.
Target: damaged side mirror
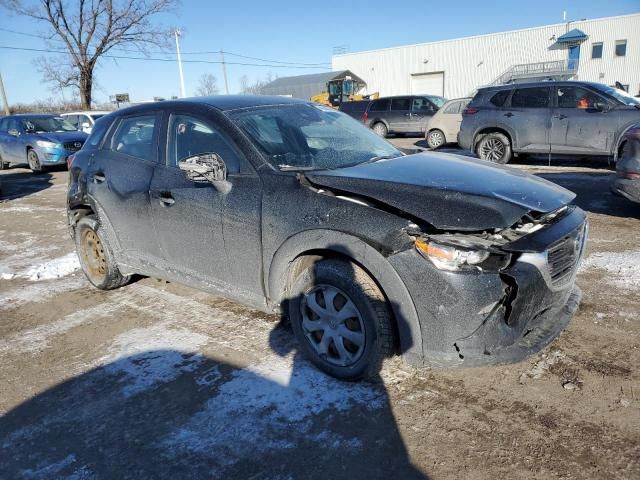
{"x":206,"y":167}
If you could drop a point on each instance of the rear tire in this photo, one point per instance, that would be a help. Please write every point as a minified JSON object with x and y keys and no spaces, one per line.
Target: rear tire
{"x":494,"y":147}
{"x":349,"y":337}
{"x":34,"y":161}
{"x":380,"y":129}
{"x":96,"y":257}
{"x":435,"y":138}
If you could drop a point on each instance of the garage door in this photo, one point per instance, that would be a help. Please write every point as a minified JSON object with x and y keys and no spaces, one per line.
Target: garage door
{"x":428,"y":84}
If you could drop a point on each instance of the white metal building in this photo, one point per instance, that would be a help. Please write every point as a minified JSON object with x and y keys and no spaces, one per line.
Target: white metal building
{"x":605,"y":50}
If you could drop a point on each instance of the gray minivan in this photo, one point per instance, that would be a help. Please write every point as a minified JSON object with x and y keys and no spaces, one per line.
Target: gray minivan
{"x":403,"y":114}
{"x":565,"y":118}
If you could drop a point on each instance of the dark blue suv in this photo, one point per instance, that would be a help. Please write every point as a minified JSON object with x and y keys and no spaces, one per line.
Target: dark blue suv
{"x":39,"y":140}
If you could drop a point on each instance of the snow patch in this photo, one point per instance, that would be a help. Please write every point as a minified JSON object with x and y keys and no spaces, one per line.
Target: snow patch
{"x":622,"y":267}
{"x":148,"y":356}
{"x":39,"y":292}
{"x":56,"y":268}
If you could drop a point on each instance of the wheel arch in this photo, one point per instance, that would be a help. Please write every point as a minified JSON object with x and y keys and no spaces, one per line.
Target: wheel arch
{"x":480,"y":134}
{"x":304,"y":248}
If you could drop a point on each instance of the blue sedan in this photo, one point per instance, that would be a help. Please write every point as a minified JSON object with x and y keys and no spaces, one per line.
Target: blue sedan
{"x":38,"y":140}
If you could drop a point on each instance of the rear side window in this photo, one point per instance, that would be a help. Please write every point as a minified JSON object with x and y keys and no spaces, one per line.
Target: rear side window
{"x":401,"y":104}
{"x":530,"y":98}
{"x":135,"y":137}
{"x":453,"y":108}
{"x":380,"y":105}
{"x":499,"y":98}
{"x":97,"y":135}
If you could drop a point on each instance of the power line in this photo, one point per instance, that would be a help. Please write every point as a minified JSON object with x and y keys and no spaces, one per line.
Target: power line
{"x":167,"y":53}
{"x":152,"y":59}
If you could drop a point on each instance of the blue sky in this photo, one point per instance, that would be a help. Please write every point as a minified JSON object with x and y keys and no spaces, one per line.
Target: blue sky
{"x":287,"y":31}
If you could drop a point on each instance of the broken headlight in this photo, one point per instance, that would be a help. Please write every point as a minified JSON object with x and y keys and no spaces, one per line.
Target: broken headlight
{"x":457,"y":258}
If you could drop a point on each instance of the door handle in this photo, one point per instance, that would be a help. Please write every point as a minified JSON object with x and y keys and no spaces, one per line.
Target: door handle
{"x":99,"y":177}
{"x":560,"y":117}
{"x":508,"y":114}
{"x":166,"y":200}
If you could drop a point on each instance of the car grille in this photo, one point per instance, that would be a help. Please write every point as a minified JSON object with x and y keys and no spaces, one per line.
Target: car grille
{"x":563,"y":256}
{"x":73,"y":146}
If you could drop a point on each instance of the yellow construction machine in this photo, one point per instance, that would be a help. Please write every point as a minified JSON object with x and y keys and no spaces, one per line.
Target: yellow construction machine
{"x":343,"y":89}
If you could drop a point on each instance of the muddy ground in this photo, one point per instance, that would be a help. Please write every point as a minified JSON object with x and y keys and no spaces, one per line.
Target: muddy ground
{"x":156,"y":380}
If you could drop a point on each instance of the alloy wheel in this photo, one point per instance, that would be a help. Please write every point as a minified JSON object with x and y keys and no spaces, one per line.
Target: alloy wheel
{"x":34,"y":162}
{"x":333,"y":325}
{"x":435,"y":139}
{"x":492,"y":149}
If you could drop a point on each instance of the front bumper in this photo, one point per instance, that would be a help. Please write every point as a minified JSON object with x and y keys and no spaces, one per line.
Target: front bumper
{"x":626,"y":187}
{"x":53,"y":155}
{"x":482,"y":318}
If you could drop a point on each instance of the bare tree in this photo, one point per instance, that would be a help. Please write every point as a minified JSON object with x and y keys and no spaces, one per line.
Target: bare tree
{"x":208,"y":85}
{"x":256,"y":87}
{"x":91,"y":28}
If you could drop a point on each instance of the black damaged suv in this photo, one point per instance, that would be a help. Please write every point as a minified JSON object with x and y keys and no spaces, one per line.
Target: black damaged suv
{"x":286,"y":205}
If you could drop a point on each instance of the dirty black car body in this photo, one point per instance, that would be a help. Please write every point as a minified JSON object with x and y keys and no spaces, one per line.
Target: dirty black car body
{"x":627,"y":180}
{"x":292,"y":206}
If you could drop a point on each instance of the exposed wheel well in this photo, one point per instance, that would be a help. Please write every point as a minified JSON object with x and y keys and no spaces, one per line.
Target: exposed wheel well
{"x":620,"y":150}
{"x":77,"y":213}
{"x":485,"y":131}
{"x":308,"y":258}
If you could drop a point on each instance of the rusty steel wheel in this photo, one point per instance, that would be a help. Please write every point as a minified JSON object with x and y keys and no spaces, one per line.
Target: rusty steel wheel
{"x":96,"y":257}
{"x":93,"y":255}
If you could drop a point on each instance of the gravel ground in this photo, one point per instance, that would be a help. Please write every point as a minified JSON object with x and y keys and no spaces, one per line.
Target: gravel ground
{"x":156,"y":380}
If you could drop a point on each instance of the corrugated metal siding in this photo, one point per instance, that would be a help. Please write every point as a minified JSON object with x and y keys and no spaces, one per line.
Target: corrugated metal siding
{"x":471,"y":62}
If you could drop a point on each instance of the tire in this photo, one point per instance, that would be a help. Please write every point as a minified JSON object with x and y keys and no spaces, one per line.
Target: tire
{"x":494,"y":147}
{"x":34,"y":161}
{"x":380,"y":129}
{"x":435,"y":138}
{"x":96,"y":257}
{"x":350,"y":288}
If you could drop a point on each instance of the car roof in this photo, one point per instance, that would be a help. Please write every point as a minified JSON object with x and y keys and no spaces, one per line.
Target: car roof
{"x":32,"y":115}
{"x":87,"y":112}
{"x":539,"y":83}
{"x":409,"y":95}
{"x":221,"y":102}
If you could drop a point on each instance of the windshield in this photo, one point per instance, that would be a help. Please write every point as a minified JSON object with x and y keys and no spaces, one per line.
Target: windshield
{"x":46,"y":124}
{"x":316,"y":137}
{"x":437,"y":101}
{"x":619,"y":95}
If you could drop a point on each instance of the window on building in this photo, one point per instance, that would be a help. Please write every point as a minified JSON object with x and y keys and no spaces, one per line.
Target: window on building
{"x":596,"y":50}
{"x":530,"y":98}
{"x":499,"y":98}
{"x":621,"y":48}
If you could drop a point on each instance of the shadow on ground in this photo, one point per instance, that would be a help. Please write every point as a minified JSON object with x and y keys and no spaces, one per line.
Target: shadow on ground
{"x":18,"y":183}
{"x":170,"y":414}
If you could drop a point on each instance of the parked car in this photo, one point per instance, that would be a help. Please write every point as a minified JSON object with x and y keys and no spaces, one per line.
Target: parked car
{"x":627,"y":179}
{"x":290,"y":206}
{"x":38,"y":140}
{"x":84,"y":121}
{"x":443,"y":127}
{"x":355,"y":109}
{"x":407,"y":114}
{"x":567,"y":118}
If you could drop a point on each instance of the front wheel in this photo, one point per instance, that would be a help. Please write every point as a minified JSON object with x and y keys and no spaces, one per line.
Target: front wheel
{"x":341,"y":320}
{"x":494,"y":147}
{"x":435,"y":139}
{"x":34,"y":162}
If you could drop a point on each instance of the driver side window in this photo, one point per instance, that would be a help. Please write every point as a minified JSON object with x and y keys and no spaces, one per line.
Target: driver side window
{"x":190,"y":136}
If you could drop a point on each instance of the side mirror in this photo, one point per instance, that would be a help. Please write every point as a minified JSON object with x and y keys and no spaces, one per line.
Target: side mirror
{"x":14,"y":132}
{"x":601,"y":106}
{"x":85,"y":125}
{"x":206,"y":167}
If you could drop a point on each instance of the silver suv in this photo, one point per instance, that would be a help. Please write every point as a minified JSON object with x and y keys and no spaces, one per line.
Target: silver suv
{"x":564,"y":118}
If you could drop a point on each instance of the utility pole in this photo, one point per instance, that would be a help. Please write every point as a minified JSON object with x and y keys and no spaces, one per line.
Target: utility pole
{"x":182,"y":94}
{"x":224,"y":72}
{"x":4,"y":97}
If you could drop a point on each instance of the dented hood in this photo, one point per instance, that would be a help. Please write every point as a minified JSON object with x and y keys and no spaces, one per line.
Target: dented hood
{"x":448,"y":191}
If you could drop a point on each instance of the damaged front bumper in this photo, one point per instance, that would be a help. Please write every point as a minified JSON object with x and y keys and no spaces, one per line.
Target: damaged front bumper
{"x":479,"y":318}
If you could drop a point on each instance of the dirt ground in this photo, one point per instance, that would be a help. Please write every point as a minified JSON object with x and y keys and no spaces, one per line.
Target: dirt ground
{"x":156,"y":380}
